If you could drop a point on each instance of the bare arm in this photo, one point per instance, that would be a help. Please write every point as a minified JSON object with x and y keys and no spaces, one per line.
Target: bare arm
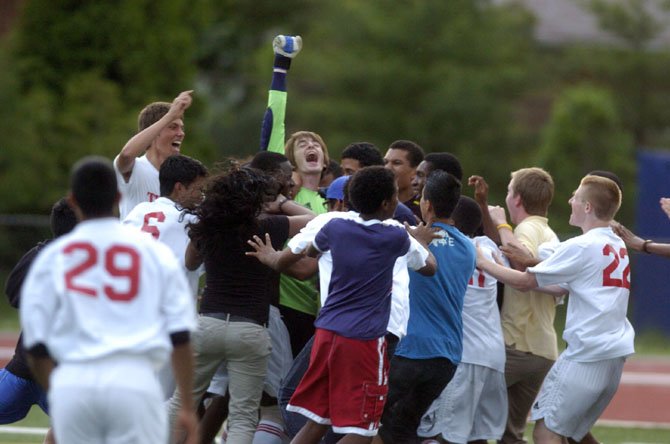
{"x":140,"y":141}
{"x":636,"y":243}
{"x":507,"y":237}
{"x":521,"y":280}
{"x":182,"y":365}
{"x":553,"y":290}
{"x":192,"y":260}
{"x":658,"y":249}
{"x":665,"y":205}
{"x":41,"y":366}
{"x":266,"y":254}
{"x":298,"y":215}
{"x":288,"y":207}
{"x":297,"y":223}
{"x":519,"y":255}
{"x":305,"y":268}
{"x":481,"y":196}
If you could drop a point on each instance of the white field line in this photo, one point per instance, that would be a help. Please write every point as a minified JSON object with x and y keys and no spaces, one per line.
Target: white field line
{"x":41,"y":431}
{"x":24,"y":430}
{"x":6,"y":352}
{"x":633,"y":424}
{"x":646,"y":378}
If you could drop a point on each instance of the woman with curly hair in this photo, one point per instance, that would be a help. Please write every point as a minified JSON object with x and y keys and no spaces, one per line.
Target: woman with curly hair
{"x":235,"y":303}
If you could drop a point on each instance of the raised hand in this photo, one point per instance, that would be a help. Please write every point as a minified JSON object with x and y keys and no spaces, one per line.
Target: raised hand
{"x":498,"y":215}
{"x":631,"y":240}
{"x":481,"y":189}
{"x":181,"y":102}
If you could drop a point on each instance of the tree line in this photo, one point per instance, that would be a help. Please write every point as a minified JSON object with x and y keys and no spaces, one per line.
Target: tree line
{"x":461,"y":76}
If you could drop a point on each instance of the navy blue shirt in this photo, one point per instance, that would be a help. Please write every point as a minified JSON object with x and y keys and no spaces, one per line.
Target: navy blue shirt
{"x":359,"y":294}
{"x":404,"y":214}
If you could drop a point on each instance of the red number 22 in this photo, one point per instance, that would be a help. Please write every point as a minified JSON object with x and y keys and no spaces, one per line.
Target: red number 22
{"x":608,"y":280}
{"x":131,"y":272}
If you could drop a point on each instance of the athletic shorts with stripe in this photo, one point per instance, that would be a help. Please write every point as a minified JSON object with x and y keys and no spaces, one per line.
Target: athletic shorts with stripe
{"x":472,"y":407}
{"x":575,"y":394}
{"x":345,"y":385}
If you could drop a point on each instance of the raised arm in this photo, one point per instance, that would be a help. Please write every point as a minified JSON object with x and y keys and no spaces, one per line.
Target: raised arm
{"x":273,"y":132}
{"x":141,"y":141}
{"x":507,"y":238}
{"x":481,"y":197}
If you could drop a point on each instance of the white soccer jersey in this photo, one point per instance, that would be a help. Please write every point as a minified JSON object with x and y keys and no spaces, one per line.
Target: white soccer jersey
{"x":483,"y":342}
{"x":414,"y":259}
{"x":165,"y":221}
{"x":105,"y":290}
{"x":142,"y":186}
{"x":595,"y":269}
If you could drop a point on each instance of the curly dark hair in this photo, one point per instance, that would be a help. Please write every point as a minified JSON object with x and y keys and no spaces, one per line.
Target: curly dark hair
{"x":369,"y":187}
{"x":366,"y":153}
{"x":228,"y":215}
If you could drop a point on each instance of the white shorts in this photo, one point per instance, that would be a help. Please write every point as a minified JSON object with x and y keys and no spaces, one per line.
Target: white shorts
{"x":279,"y":363}
{"x":473,"y":406}
{"x":110,"y":401}
{"x":575,"y":394}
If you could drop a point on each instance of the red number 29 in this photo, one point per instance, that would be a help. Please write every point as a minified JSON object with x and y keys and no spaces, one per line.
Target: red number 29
{"x":130,"y":272}
{"x":608,"y":280}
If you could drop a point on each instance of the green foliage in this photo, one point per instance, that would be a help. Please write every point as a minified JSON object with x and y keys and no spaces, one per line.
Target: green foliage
{"x":636,"y":69}
{"x":446,"y":74}
{"x":77,"y":73}
{"x":143,"y":45}
{"x":461,"y":76}
{"x":585,"y":134}
{"x":234,"y":59}
{"x":630,"y":20}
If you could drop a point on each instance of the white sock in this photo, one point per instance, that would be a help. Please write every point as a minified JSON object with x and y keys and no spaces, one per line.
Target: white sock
{"x":224,"y":433}
{"x":270,"y":432}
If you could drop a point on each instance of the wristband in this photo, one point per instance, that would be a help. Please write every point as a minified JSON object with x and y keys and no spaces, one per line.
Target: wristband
{"x":281,"y":204}
{"x":644,"y":245}
{"x":508,"y":226}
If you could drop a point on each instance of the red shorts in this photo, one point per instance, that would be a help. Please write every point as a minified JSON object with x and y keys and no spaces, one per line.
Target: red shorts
{"x":345,"y":385}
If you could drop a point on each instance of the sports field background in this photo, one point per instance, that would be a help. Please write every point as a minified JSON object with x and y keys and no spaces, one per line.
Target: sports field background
{"x":652,"y":353}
